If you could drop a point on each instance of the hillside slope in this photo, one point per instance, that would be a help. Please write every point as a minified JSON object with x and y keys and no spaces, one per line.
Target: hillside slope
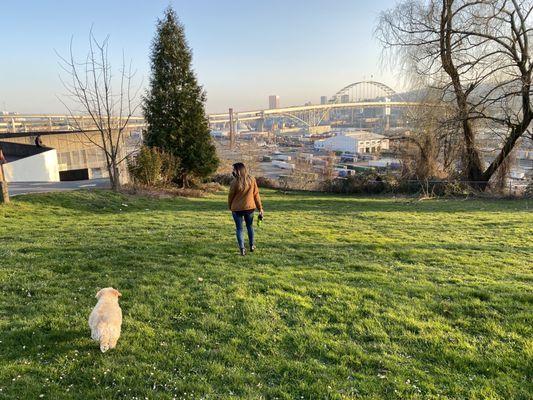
{"x":345,"y":298}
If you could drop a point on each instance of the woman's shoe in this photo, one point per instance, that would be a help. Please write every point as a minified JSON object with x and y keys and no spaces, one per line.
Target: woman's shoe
{"x":252,"y":249}
{"x":243,"y":251}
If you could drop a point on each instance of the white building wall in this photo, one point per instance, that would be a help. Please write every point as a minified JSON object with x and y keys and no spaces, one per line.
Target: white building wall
{"x":384,"y":162}
{"x":337,"y":143}
{"x":41,"y":167}
{"x":351,"y":144}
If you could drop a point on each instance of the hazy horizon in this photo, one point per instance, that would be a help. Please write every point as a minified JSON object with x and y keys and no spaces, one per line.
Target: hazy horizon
{"x":242,"y":52}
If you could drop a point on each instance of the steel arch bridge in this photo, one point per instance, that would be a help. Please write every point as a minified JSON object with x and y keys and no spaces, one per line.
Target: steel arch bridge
{"x":363,"y":90}
{"x":356,"y":96}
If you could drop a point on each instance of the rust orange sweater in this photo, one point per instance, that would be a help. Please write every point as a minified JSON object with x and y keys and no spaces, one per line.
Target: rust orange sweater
{"x":248,"y":199}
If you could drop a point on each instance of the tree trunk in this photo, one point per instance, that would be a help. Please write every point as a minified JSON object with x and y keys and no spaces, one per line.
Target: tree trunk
{"x":508,"y":147}
{"x":473,"y":165}
{"x":4,"y":194}
{"x":115,"y":181}
{"x":472,"y":161}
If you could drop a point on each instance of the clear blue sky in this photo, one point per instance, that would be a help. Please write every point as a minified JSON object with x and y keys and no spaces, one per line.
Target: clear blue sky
{"x":243,"y":50}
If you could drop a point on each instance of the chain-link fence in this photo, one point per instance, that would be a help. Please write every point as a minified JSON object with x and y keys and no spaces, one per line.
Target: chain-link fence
{"x":512,"y":188}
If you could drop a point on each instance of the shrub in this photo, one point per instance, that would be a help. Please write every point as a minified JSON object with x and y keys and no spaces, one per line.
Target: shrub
{"x":210,"y":187}
{"x":264,"y":182}
{"x":362,"y":183}
{"x":226,"y":179}
{"x":163,"y":192}
{"x":152,"y":166}
{"x":528,"y":193}
{"x":222,"y":179}
{"x":169,"y":167}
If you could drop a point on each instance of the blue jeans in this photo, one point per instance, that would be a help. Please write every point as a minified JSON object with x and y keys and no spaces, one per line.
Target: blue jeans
{"x":248,"y":217}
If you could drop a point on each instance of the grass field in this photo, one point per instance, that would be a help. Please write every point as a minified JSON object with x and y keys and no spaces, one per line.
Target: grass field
{"x":345,"y":298}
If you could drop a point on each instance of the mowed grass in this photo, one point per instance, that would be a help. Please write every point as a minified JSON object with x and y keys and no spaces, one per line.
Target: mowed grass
{"x":346,"y":298}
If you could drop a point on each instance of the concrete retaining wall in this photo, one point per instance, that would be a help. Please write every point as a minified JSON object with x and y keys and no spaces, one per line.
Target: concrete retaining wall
{"x":41,"y":167}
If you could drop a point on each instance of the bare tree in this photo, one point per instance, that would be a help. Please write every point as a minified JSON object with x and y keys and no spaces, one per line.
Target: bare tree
{"x":90,"y":89}
{"x":477,"y":53}
{"x":4,"y":193}
{"x":431,"y":145}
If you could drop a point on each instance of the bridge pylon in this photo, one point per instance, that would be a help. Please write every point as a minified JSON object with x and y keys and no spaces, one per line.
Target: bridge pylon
{"x":231,"y":129}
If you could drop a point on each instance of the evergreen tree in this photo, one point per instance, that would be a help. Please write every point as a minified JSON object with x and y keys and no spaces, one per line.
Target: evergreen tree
{"x":174,"y":105}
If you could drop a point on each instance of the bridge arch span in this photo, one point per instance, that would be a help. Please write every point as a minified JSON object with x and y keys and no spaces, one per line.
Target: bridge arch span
{"x":364,"y":90}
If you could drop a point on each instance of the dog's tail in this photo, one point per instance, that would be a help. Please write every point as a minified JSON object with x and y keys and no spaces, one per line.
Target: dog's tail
{"x":105,"y":337}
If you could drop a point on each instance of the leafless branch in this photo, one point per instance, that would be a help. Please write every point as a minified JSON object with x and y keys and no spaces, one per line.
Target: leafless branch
{"x":90,"y":87}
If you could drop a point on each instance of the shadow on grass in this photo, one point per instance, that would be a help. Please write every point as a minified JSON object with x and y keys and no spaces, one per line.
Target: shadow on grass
{"x":44,"y":342}
{"x":107,"y":202}
{"x":273,"y":250}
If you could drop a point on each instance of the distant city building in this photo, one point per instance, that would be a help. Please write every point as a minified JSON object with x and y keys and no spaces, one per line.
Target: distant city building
{"x":345,"y":98}
{"x":353,"y":141}
{"x":273,"y":101}
{"x":323,"y":99}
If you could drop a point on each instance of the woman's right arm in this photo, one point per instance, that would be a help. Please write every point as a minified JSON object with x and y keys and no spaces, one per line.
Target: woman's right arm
{"x":257,"y":198}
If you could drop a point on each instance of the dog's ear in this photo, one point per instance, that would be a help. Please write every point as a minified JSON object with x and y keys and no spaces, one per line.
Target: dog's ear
{"x":99,"y":293}
{"x":117,"y":293}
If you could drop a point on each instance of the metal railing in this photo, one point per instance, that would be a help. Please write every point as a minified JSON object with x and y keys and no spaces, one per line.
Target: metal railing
{"x":17,"y":123}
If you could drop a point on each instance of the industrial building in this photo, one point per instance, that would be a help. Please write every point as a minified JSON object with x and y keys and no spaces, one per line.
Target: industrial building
{"x":353,"y":141}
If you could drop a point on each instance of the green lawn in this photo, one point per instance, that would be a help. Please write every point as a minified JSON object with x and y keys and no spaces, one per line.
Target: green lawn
{"x":346,"y":298}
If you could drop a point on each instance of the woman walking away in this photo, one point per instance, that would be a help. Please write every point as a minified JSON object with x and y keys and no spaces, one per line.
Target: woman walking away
{"x":243,"y":199}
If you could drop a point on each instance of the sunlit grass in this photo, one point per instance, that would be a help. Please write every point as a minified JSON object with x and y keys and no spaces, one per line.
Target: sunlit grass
{"x":345,"y":298}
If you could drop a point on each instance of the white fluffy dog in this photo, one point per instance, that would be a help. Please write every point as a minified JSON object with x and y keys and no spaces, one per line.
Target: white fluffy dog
{"x":106,"y":318}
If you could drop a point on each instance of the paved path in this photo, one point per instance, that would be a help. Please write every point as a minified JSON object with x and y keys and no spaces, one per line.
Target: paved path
{"x":16,"y":188}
